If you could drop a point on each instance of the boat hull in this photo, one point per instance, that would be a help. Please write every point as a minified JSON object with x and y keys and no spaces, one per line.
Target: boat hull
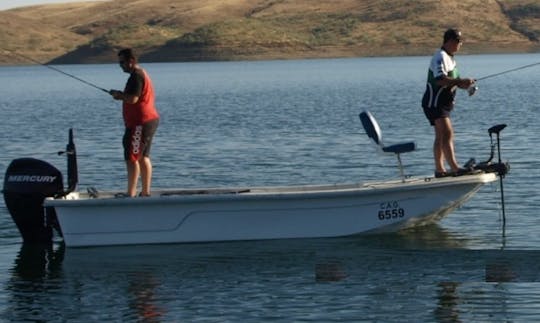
{"x":180,"y":216}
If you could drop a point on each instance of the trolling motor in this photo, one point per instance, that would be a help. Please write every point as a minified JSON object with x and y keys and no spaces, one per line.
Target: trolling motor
{"x":491,"y":167}
{"x":27,"y":183}
{"x":488,"y":166}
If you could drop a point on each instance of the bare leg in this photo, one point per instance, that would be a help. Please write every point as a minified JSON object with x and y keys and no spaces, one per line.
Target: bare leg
{"x":438,"y":153}
{"x":133,"y":171}
{"x":443,"y":148}
{"x":146,"y":175}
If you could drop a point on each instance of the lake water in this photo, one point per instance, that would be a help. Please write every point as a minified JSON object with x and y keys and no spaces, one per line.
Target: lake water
{"x":281,"y":123}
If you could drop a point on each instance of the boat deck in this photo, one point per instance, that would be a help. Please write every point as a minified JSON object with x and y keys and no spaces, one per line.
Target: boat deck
{"x":411,"y":183}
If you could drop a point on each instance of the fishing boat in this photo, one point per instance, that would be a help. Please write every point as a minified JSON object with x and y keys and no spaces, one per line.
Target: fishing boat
{"x":39,"y":205}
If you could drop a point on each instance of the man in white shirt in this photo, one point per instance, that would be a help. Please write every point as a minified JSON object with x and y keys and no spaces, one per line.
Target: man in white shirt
{"x":438,"y":100}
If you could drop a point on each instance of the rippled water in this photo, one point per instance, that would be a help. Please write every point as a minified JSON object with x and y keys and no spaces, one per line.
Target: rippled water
{"x":279,"y":123}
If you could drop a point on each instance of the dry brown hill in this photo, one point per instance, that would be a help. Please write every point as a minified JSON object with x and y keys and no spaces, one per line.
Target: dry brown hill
{"x":171,"y":30}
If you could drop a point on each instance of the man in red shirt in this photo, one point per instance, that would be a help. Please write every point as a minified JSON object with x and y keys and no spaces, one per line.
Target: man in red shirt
{"x":141,"y":120}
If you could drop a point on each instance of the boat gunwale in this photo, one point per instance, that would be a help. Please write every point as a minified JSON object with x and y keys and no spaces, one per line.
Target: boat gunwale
{"x":269,"y":192}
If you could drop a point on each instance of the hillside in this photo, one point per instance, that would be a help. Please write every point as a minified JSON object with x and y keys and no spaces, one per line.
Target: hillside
{"x":187,"y":30}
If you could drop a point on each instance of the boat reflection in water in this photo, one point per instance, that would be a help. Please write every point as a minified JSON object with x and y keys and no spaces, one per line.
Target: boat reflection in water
{"x":153,"y":283}
{"x":39,"y":262}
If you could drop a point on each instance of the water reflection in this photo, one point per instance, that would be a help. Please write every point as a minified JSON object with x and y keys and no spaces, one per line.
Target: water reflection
{"x":512,"y":266}
{"x":448,"y":301}
{"x":142,"y":291}
{"x":34,"y":277}
{"x":39,"y":262}
{"x":168,"y":282}
{"x":330,"y":271}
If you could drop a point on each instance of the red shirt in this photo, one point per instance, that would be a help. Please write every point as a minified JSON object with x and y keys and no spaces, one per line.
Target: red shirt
{"x":144,"y":110}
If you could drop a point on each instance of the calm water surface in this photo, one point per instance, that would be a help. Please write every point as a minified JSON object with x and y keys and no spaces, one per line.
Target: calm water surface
{"x":280,"y":123}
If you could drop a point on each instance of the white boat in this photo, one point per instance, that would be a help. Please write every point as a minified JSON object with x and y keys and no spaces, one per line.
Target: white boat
{"x":245,"y":213}
{"x":260,"y":213}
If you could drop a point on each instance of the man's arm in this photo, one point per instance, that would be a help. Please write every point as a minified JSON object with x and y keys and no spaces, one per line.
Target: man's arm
{"x":446,"y":81}
{"x":124,"y":97}
{"x":133,"y":89}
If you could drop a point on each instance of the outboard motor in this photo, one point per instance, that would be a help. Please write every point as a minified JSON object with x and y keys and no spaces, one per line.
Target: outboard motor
{"x":27,"y":183}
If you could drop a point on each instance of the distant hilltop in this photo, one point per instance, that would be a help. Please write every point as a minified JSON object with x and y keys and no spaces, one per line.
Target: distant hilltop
{"x":204,"y":30}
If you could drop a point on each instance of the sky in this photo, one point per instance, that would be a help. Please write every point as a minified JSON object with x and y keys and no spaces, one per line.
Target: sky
{"x":9,"y":4}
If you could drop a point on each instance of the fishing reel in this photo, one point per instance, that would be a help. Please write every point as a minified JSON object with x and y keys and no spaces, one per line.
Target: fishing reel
{"x":472,"y":90}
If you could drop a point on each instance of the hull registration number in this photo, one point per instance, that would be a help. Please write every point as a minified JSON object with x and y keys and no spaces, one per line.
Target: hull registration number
{"x":390,"y":210}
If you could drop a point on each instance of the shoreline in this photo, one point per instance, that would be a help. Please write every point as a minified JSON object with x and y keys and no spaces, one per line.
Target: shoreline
{"x":272,"y":55}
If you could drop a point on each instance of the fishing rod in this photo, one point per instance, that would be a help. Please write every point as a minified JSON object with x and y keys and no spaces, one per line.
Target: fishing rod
{"x":508,"y":71}
{"x":473,"y":88}
{"x":57,"y":70}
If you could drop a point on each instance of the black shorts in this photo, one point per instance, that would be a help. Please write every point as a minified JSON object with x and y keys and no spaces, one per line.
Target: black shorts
{"x":137,"y":141}
{"x":435,"y":113}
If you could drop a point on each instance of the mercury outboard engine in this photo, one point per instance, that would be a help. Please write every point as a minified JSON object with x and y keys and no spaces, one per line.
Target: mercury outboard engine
{"x":27,"y":183}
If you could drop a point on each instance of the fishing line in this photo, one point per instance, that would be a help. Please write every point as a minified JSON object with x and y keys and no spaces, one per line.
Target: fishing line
{"x":57,"y":70}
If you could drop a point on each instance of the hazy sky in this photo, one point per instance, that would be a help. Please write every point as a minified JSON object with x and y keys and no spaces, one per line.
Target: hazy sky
{"x":8,"y":4}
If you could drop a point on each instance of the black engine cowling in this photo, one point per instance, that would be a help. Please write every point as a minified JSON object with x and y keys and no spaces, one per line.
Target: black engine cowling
{"x":27,"y":183}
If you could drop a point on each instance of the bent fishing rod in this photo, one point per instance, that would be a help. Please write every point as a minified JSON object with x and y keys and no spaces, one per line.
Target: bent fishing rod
{"x":57,"y":70}
{"x":473,"y":88}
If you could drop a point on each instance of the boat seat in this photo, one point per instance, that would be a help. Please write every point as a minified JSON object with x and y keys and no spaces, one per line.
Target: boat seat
{"x":371,"y":126}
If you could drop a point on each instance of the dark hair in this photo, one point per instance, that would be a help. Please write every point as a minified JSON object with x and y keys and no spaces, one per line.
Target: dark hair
{"x":127,"y":53}
{"x":451,"y":34}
